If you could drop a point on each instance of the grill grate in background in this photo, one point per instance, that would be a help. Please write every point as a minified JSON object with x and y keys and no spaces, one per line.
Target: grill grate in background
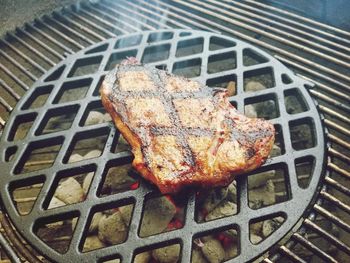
{"x":325,"y":63}
{"x":55,"y":146}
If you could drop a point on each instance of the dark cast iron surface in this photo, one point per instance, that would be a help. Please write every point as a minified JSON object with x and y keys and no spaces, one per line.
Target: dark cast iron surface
{"x":145,"y":46}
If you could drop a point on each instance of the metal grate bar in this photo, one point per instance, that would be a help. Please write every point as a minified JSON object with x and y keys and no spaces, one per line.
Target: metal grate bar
{"x":334,"y":102}
{"x":45,"y":35}
{"x":69,"y":29}
{"x":336,"y":127}
{"x":287,"y":252}
{"x":304,"y":19}
{"x":306,"y":243}
{"x":36,"y":52}
{"x":148,"y":19}
{"x":80,"y":26}
{"x":9,"y":90}
{"x":336,"y":220}
{"x":284,"y":52}
{"x":127,"y":27}
{"x":7,"y":106}
{"x":25,"y":57}
{"x":188,"y":17}
{"x":341,"y":156}
{"x":13,"y":76}
{"x":8,"y":249}
{"x":341,"y":245}
{"x":18,"y":65}
{"x":176,"y":35}
{"x":318,"y":66}
{"x":153,"y":13}
{"x":14,"y":238}
{"x":333,"y":113}
{"x":94,"y":25}
{"x":326,"y":88}
{"x":279,"y":50}
{"x":339,"y":141}
{"x":40,"y":43}
{"x":125,"y":14}
{"x":117,"y":30}
{"x":228,"y":18}
{"x":294,"y":22}
{"x":265,"y":16}
{"x":339,"y":170}
{"x":165,"y":10}
{"x":185,"y":13}
{"x":337,"y":185}
{"x":286,"y":35}
{"x":335,"y":201}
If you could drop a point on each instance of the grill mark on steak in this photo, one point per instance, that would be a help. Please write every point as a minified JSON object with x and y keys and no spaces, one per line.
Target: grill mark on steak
{"x":168,"y":102}
{"x":181,"y":132}
{"x":173,"y":131}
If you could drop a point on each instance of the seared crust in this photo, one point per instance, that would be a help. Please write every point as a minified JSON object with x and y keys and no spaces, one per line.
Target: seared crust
{"x":181,"y":132}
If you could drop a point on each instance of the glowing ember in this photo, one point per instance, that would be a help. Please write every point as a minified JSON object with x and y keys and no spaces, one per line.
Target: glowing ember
{"x":134,"y":186}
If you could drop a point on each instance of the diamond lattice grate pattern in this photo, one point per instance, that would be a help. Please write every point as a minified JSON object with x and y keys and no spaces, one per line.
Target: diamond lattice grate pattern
{"x":190,"y":54}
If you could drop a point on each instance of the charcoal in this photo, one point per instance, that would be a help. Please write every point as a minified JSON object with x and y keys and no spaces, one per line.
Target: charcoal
{"x":143,"y":257}
{"x":249,"y":111}
{"x":254,"y":86}
{"x":256,"y":204}
{"x":126,"y":212}
{"x":92,"y":154}
{"x":169,"y":254}
{"x":255,"y":239}
{"x":260,"y":179}
{"x":87,"y":182}
{"x":231,"y":88}
{"x":123,"y":145}
{"x":55,"y":202}
{"x":232,"y":192}
{"x":198,"y":242}
{"x":112,"y":261}
{"x":232,"y":233}
{"x":107,"y":117}
{"x":256,"y":228}
{"x":276,"y":151}
{"x":279,"y":219}
{"x":270,"y":226}
{"x":262,"y":196}
{"x":213,"y":251}
{"x":70,"y":191}
{"x":92,"y":243}
{"x":112,"y":229}
{"x":158,"y":214}
{"x":95,"y":117}
{"x":231,"y":251}
{"x":109,"y":212}
{"x":75,"y":158}
{"x":94,"y":222}
{"x":117,"y":178}
{"x":214,"y":198}
{"x":335,"y":230}
{"x":225,"y":208}
{"x":198,"y":257}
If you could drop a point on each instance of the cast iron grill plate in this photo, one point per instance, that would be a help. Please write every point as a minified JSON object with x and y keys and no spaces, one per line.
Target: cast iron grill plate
{"x":209,"y":58}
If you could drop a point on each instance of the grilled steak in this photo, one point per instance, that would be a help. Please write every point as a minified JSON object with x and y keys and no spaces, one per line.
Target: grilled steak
{"x":181,"y":132}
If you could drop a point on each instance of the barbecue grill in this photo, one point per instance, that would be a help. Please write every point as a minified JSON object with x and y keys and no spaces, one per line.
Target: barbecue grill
{"x":56,"y":65}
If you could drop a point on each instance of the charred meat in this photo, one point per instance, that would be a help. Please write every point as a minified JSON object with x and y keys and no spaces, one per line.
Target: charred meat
{"x":181,"y":132}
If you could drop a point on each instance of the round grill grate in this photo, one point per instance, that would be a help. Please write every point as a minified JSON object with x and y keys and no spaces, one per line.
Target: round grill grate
{"x":51,"y":124}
